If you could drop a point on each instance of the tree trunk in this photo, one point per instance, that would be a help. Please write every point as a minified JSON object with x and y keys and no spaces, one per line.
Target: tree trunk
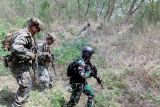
{"x":88,"y":6}
{"x":132,"y":10}
{"x":97,"y":10}
{"x":69,"y":16}
{"x":108,"y":9}
{"x":79,"y":16}
{"x":103,"y":5}
{"x":111,"y":10}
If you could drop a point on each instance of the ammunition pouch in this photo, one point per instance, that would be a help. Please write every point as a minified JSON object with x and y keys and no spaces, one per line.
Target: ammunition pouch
{"x":7,"y":60}
{"x":11,"y":59}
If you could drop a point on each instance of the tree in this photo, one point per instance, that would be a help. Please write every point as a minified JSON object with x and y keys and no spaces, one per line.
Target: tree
{"x":99,"y":9}
{"x":88,"y":6}
{"x":110,"y":9}
{"x":132,"y":9}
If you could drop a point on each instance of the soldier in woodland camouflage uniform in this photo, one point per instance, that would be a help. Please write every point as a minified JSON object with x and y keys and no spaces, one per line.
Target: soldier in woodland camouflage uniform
{"x":21,"y":49}
{"x":79,"y":71}
{"x":44,"y":59}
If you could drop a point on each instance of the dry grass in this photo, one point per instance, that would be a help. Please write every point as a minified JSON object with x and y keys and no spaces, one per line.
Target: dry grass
{"x":126,"y":48}
{"x":128,"y":61}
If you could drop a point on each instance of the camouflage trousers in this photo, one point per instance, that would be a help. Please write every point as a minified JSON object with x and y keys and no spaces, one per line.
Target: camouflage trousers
{"x":78,"y":89}
{"x":22,"y":75}
{"x":44,"y":77}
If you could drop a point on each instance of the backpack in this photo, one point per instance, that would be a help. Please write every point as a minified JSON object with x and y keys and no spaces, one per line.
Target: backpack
{"x":72,"y":68}
{"x":6,"y":42}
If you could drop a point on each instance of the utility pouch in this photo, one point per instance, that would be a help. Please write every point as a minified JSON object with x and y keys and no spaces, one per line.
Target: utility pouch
{"x":7,"y":60}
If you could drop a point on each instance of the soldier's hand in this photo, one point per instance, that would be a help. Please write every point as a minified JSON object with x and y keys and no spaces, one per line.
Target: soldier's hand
{"x":31,"y":55}
{"x":47,"y":54}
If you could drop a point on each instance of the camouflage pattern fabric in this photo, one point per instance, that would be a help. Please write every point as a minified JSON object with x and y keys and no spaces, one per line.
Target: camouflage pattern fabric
{"x":43,"y":77}
{"x":44,"y":74}
{"x":79,"y":85}
{"x":22,"y":75}
{"x":78,"y":89}
{"x":22,"y":43}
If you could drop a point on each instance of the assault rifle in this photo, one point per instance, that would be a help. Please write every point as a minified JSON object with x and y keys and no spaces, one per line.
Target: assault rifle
{"x":34,"y":63}
{"x":51,"y":57}
{"x":95,"y":74}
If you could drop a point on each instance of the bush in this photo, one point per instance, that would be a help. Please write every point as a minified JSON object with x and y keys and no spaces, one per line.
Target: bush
{"x":5,"y":92}
{"x":38,"y":99}
{"x":57,"y":99}
{"x":47,"y":98}
{"x":2,"y":32}
{"x":69,"y":50}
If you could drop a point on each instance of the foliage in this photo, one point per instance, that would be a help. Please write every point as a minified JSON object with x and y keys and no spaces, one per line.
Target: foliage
{"x":152,"y":12}
{"x":107,"y":99}
{"x":148,"y":14}
{"x":4,"y":71}
{"x":2,"y":32}
{"x":66,"y":12}
{"x":4,"y":92}
{"x":44,"y":12}
{"x":69,"y":50}
{"x":57,"y":99}
{"x":39,"y":99}
{"x":47,"y":98}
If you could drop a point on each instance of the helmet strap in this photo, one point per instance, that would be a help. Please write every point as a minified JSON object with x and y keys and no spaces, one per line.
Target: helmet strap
{"x":85,"y":57}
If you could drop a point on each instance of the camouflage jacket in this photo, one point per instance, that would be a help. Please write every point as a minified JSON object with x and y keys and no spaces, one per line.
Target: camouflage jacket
{"x":81,"y":73}
{"x":22,"y":43}
{"x":44,"y":53}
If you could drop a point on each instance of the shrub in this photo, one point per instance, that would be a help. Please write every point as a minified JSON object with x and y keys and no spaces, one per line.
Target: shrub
{"x":5,"y":92}
{"x":57,"y":99}
{"x":106,"y":99}
{"x":69,"y":50}
{"x":38,"y":99}
{"x":4,"y":71}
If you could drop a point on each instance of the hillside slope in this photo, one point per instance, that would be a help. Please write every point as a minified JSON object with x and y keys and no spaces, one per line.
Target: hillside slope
{"x":127,"y":61}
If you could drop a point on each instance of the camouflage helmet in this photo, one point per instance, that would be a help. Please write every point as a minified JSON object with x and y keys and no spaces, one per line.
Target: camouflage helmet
{"x":87,"y":51}
{"x":51,"y":36}
{"x":36,"y":22}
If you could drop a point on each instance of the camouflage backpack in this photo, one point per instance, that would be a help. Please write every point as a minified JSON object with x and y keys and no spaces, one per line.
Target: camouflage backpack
{"x":6,"y":42}
{"x":6,"y":46}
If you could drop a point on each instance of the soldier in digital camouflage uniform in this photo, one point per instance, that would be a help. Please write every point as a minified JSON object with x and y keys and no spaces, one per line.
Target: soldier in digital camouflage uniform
{"x":44,"y":59}
{"x":21,"y":51}
{"x":78,"y":78}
